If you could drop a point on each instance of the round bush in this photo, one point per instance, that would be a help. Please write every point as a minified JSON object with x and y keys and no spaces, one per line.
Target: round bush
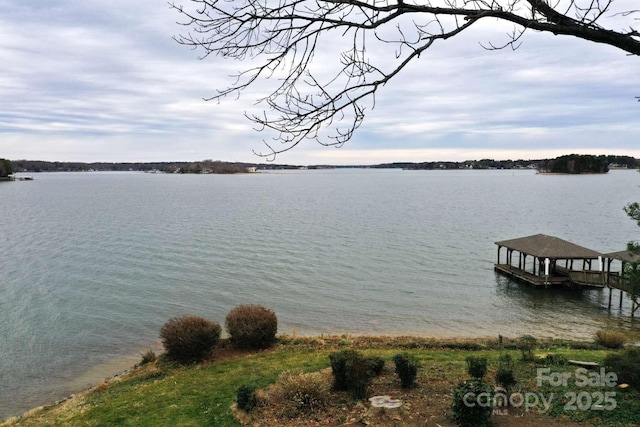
{"x":246,"y":398}
{"x":406,"y":368}
{"x":189,"y":339}
{"x":467,"y":410}
{"x":251,"y":326}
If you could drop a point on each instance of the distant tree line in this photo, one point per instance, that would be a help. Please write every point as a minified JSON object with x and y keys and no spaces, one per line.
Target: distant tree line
{"x":473,"y":164}
{"x":6,"y":168}
{"x":206,"y":166}
{"x":573,"y":162}
{"x":44,"y":166}
{"x":623,"y":161}
{"x":467,"y":164}
{"x":577,"y":164}
{"x":211,"y":166}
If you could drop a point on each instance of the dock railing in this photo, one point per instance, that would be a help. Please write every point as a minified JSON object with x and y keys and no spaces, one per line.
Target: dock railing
{"x":588,"y":278}
{"x":617,"y":282}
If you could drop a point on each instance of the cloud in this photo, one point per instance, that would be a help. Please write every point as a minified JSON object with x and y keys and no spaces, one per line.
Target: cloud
{"x":94,"y":81}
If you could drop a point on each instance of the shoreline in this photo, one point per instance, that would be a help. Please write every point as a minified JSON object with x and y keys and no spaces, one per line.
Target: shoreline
{"x":120,"y":367}
{"x":122,"y":364}
{"x":90,"y":378}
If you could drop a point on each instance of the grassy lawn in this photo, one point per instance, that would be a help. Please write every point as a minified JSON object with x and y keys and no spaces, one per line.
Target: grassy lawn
{"x":161,"y":394}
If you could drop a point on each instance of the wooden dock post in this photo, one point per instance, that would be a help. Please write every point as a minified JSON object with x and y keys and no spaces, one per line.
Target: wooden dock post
{"x":610,"y":294}
{"x":621,"y":299}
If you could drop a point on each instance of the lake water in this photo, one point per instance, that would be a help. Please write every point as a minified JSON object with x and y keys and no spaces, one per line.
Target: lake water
{"x":93,"y":264}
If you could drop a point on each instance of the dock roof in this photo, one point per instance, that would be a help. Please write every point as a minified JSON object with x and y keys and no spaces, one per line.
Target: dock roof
{"x":624,"y":256}
{"x":543,"y":246}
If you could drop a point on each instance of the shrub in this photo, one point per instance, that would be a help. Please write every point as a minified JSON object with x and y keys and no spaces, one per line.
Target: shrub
{"x":626,"y":365}
{"x":504,"y":375}
{"x":246,"y":398}
{"x":527,"y":344}
{"x":252,"y":326}
{"x":341,"y":376}
{"x":468,"y":412}
{"x":299,"y":393}
{"x":353,"y":372}
{"x":148,"y":356}
{"x":406,"y":368}
{"x":610,"y":339}
{"x":376,"y":364}
{"x":360,"y":373}
{"x":477,"y":367}
{"x":189,"y":339}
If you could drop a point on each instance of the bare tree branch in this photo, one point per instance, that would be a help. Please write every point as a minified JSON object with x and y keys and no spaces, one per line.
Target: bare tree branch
{"x":280,"y":38}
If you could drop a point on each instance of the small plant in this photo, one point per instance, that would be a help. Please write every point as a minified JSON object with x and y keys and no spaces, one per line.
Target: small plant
{"x":246,"y":398}
{"x":153,"y":372}
{"x":148,"y":357}
{"x":189,"y":339}
{"x":527,"y":344}
{"x":553,"y":359}
{"x":626,"y":365}
{"x":477,"y":367}
{"x":465,"y":408}
{"x":251,"y":326}
{"x":406,"y":368}
{"x":299,"y":393}
{"x":504,"y":375}
{"x":353,"y":372}
{"x":610,"y":339}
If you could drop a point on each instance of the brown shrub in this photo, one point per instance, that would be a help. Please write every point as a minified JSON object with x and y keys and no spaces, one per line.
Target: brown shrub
{"x":610,"y":339}
{"x":299,"y":393}
{"x":189,"y":339}
{"x":252,"y":326}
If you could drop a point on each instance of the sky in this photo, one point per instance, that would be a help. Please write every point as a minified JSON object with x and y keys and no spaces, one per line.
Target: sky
{"x":105,"y":81}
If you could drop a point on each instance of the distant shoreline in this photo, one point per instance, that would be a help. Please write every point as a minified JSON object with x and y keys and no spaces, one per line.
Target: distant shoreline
{"x":581,"y":173}
{"x":614,"y":162}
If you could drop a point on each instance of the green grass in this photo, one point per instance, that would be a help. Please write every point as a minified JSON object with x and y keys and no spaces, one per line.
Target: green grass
{"x":201,"y":395}
{"x":185,"y":396}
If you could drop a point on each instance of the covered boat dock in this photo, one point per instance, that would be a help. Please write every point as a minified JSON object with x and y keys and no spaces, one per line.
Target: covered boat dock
{"x":543,"y":260}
